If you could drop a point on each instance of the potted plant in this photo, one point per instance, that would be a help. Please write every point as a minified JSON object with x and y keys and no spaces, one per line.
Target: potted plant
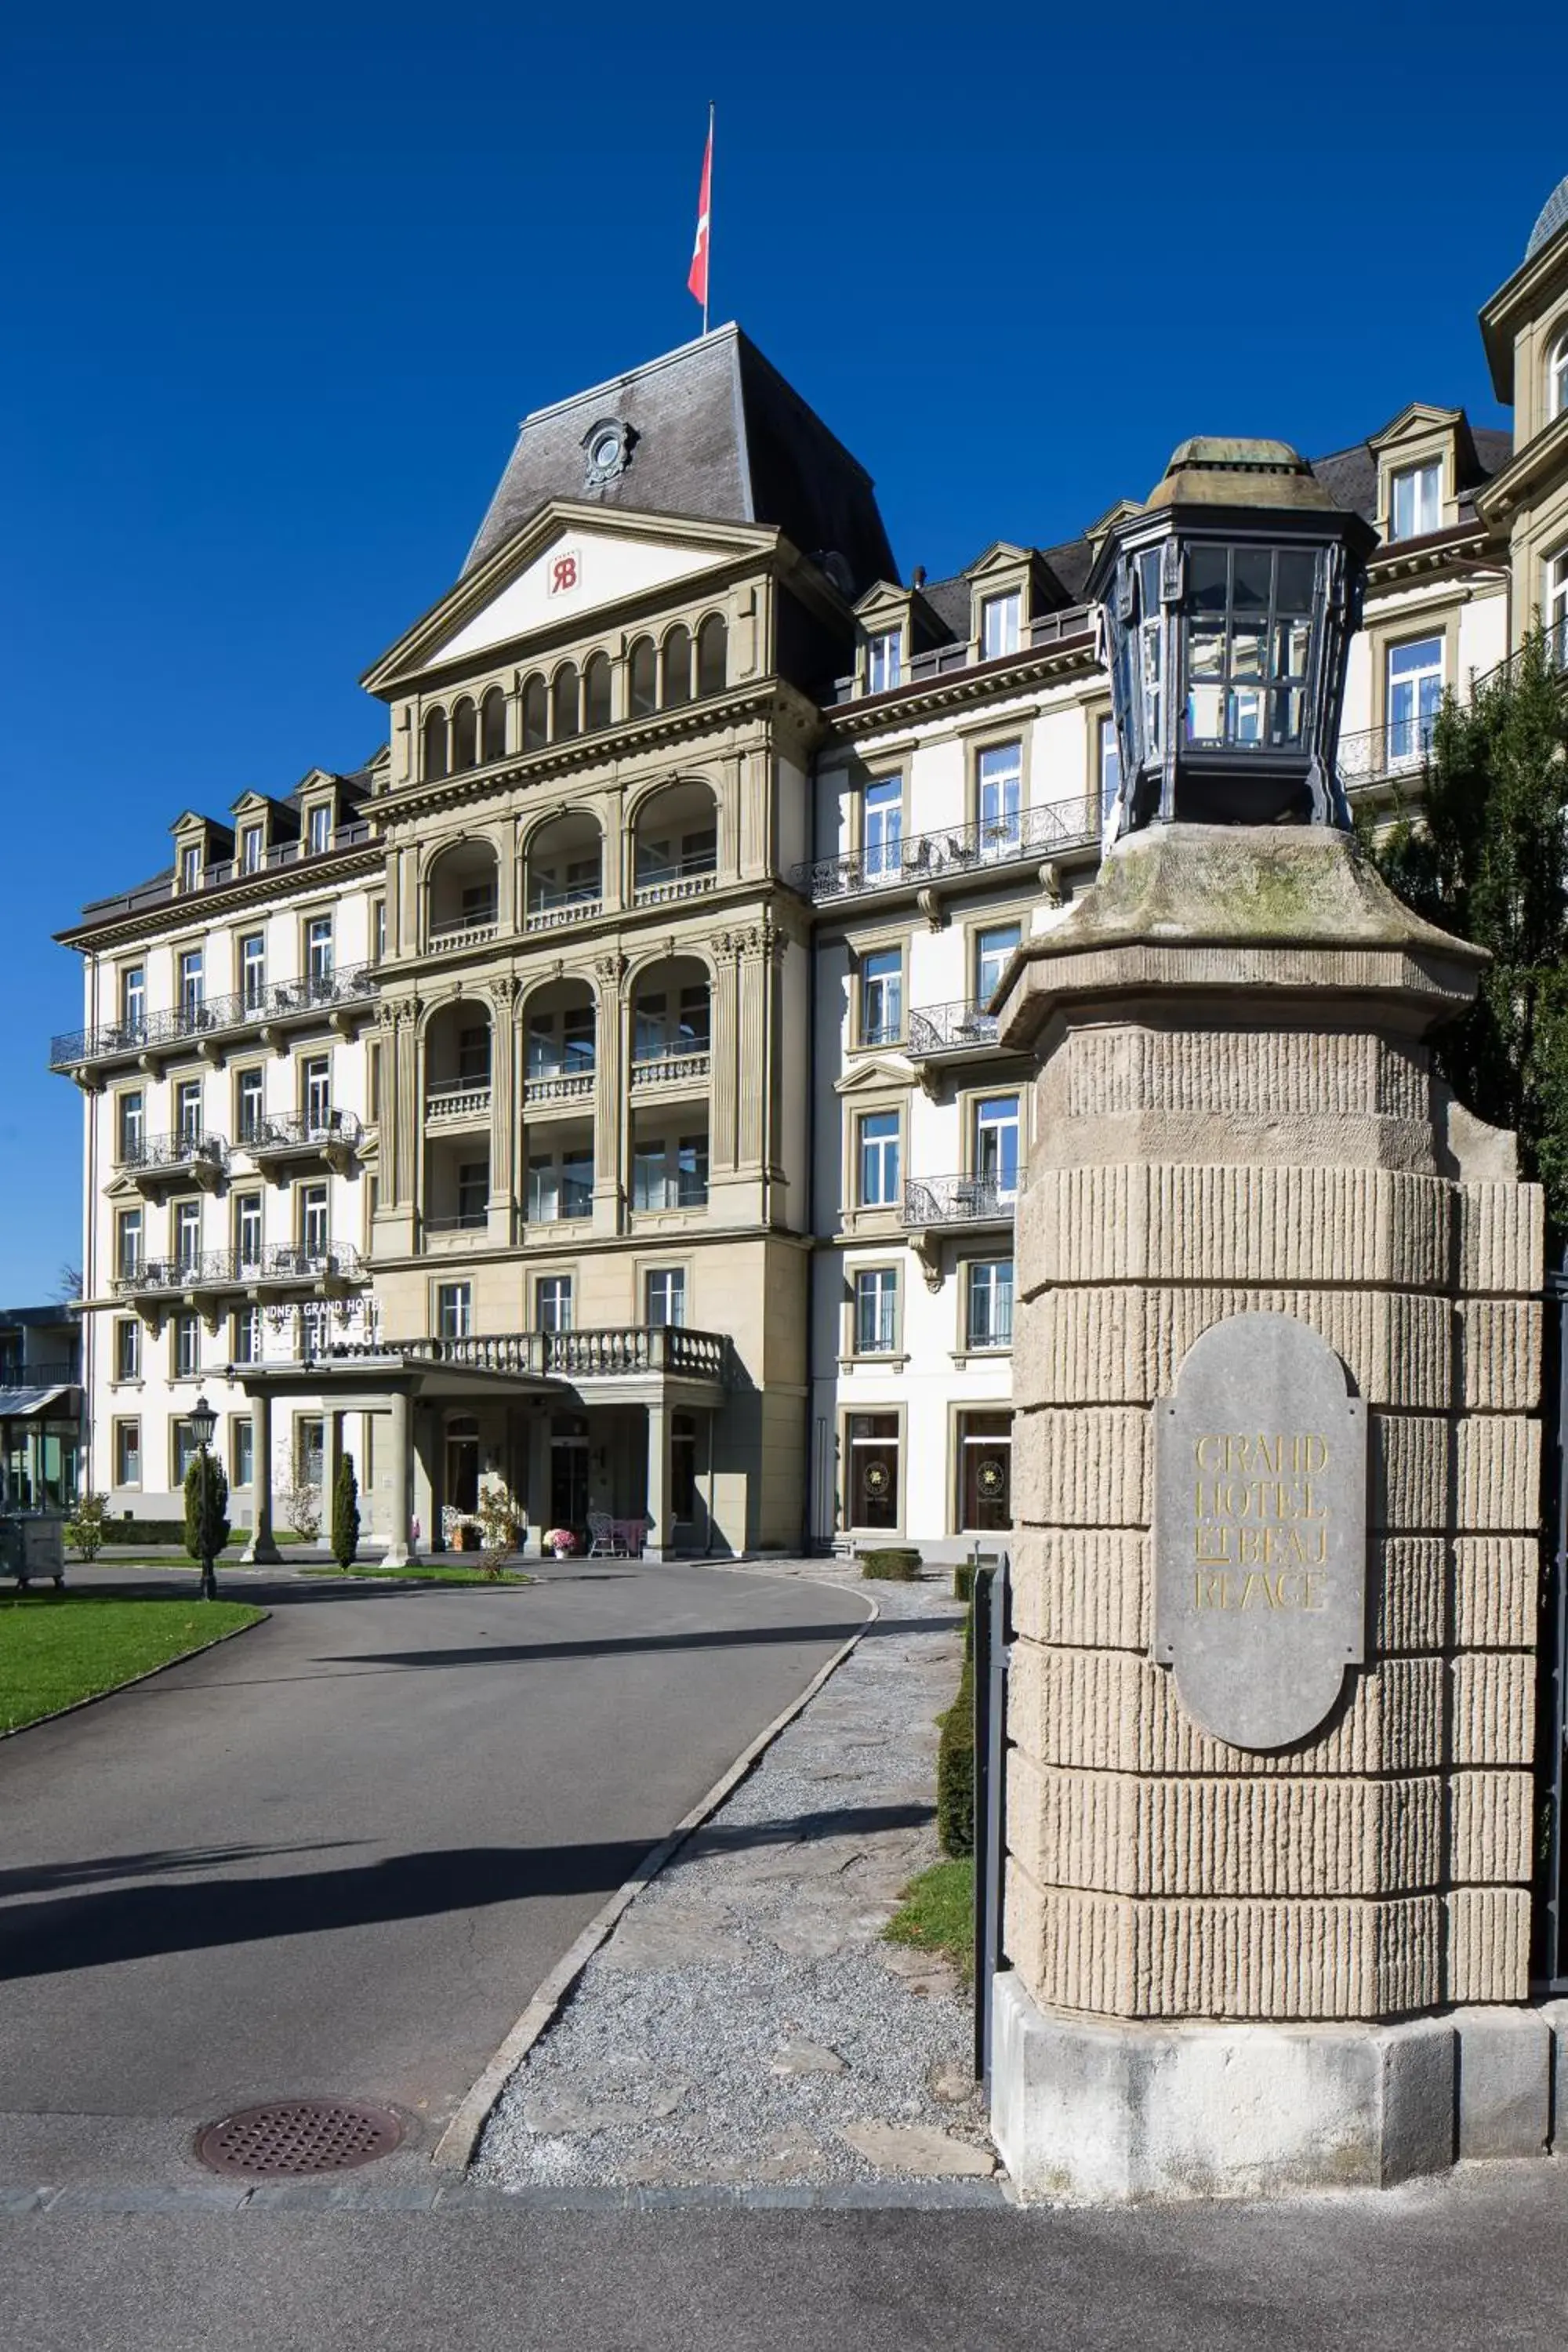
{"x":561,"y":1541}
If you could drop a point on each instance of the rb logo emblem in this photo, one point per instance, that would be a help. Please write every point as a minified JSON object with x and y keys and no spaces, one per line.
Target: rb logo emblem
{"x":565,"y":574}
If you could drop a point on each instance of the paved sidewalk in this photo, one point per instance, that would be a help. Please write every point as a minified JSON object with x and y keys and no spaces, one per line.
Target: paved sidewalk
{"x":746,"y":2023}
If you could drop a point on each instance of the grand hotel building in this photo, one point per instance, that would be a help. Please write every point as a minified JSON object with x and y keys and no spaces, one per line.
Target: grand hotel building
{"x":595,"y":1095}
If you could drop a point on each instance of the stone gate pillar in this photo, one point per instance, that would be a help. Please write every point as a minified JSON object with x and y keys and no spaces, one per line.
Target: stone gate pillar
{"x":1247,"y":1956}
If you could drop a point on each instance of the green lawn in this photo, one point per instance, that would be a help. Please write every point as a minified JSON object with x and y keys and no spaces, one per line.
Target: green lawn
{"x":58,"y":1648}
{"x":937,"y":1913}
{"x":422,"y":1575}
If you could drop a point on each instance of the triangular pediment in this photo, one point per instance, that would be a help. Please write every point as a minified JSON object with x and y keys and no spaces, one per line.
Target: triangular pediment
{"x":568,"y":567}
{"x":1415,"y":422}
{"x":874,"y":1077}
{"x":1000,"y":556}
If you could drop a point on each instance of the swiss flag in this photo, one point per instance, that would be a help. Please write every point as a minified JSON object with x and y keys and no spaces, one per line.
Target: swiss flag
{"x":697,"y":276}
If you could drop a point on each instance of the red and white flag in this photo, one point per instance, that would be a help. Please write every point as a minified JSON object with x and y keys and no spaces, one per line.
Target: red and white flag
{"x":697,"y":276}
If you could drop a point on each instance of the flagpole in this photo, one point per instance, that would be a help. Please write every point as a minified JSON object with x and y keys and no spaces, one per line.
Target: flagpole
{"x":708,"y":277}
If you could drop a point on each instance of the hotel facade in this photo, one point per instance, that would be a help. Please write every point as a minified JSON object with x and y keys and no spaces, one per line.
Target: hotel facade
{"x":596,"y":1098}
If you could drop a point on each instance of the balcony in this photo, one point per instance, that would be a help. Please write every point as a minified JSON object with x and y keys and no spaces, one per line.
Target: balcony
{"x":664,"y":1073}
{"x":333,"y":1138}
{"x":620,"y":1351}
{"x":955,"y":853}
{"x":474,"y":932}
{"x":661,"y":886}
{"x":1379,"y":753}
{"x":951,"y":1032}
{"x":933,"y":1203}
{"x":277,"y":1265}
{"x":341,"y":997}
{"x":189,"y":1157}
{"x":554,"y":910}
{"x":456,"y":1103}
{"x":547,"y":1090}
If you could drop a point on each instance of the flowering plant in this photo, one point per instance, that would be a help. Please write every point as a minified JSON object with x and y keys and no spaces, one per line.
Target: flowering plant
{"x":561,"y":1539}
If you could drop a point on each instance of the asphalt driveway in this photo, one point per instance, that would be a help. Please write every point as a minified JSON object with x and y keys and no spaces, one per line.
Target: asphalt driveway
{"x":338,"y":1853}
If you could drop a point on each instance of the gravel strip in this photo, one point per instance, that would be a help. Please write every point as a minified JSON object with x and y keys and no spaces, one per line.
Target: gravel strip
{"x":745,"y":2024}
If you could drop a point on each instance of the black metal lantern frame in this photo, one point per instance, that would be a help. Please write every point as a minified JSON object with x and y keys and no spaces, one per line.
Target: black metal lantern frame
{"x":1226,"y":616}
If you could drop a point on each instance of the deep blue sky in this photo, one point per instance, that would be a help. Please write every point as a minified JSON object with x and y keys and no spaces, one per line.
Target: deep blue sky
{"x":277,"y":286}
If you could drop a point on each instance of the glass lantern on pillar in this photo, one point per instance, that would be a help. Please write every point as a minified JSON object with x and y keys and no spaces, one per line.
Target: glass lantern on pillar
{"x":1227,"y":607}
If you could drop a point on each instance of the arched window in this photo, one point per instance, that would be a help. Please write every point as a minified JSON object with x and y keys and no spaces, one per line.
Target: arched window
{"x":535,"y":714}
{"x":676,"y":668}
{"x":1557,"y":379}
{"x":435,"y":742}
{"x":713,"y":655}
{"x":492,"y":725}
{"x":644,"y":678}
{"x":464,"y":735}
{"x":564,"y":703}
{"x":596,"y":691}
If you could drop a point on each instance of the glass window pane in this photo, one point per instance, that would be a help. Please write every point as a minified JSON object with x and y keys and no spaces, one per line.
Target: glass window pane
{"x":1208,"y":570}
{"x":1295,"y":577}
{"x":1253,"y":575}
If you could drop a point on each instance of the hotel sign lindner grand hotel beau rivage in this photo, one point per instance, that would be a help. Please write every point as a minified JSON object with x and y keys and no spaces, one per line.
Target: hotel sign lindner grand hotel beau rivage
{"x":1260,"y":1530}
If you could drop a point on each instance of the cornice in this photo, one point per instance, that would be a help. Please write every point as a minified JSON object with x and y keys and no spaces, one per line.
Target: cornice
{"x":983,"y":681}
{"x":1547,"y":453}
{"x":179,"y":912}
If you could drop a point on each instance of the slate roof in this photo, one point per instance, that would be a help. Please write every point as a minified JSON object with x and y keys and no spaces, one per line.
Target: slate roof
{"x":1553,"y":216}
{"x":721,"y":436}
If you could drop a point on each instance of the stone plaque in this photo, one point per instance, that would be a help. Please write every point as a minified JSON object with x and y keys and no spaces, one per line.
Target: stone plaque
{"x":1259,"y":1530}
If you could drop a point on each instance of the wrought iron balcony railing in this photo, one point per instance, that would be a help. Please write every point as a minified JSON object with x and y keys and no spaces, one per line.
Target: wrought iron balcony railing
{"x":958,"y":1201}
{"x":252,"y":1008}
{"x":52,"y":1372}
{"x":232,"y":1269}
{"x":1376,"y":753}
{"x":963,"y":1027}
{"x":299,"y":1132}
{"x":184,"y":1149}
{"x":917,"y":859}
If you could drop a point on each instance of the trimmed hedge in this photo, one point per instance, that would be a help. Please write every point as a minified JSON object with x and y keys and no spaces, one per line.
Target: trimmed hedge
{"x":955,"y":1770}
{"x":894,"y":1567}
{"x":963,"y":1580}
{"x":145,"y":1531}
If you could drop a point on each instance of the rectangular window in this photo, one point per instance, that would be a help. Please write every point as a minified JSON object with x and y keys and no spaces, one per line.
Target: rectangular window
{"x":561,"y":1186}
{"x":132,"y":1126}
{"x":1414,"y":500}
{"x":664,"y":1291}
{"x":984,"y":1472}
{"x":878,"y":1153}
{"x":1415,"y":698}
{"x":553,"y":1303}
{"x":1000,"y":782}
{"x":191,"y":866}
{"x":242,"y":1452}
{"x":317,"y":1075}
{"x":877,"y":1310}
{"x":999,"y":619}
{"x":1247,"y":641}
{"x":188,"y":1109}
{"x":874,"y":1451}
{"x":128,"y":1349}
{"x":474,"y":1054}
{"x":320,"y":823}
{"x":473,"y":1191}
{"x":248,"y":1228}
{"x":250,"y":1089}
{"x":988,"y":1303}
{"x":313,"y":1220}
{"x":1557,"y":603}
{"x":683,"y":1465}
{"x":187,"y":1235}
{"x":133,"y":996}
{"x":671,"y":1173}
{"x":250,"y":841}
{"x":881,"y":845}
{"x":882,"y":996}
{"x":253,"y":968}
{"x":691,"y":1171}
{"x":187,"y":1349}
{"x":319,"y":949}
{"x":378,"y":931}
{"x":1107,"y":764}
{"x":127,"y":1244}
{"x":996,"y":1126}
{"x":184,"y":1449}
{"x":454,"y":1310}
{"x":128,"y":1454}
{"x":246,"y":1335}
{"x":885,"y":661}
{"x":992,"y":946}
{"x":192,"y":982}
{"x":309,"y":1449}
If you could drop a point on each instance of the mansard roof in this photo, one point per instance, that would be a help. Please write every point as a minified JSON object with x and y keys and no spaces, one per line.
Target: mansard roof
{"x":712,"y":431}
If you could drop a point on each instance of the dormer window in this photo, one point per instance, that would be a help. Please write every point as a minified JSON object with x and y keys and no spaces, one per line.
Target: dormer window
{"x":884,"y":661}
{"x":999,"y":622}
{"x":250,"y":849}
{"x":1557,"y":380}
{"x":320,"y":828}
{"x":1414,"y":500}
{"x":191,"y":866}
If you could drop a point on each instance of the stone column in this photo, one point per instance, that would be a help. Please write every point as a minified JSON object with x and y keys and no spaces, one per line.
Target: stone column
{"x":331,"y":1456}
{"x":262,"y":1548}
{"x":1239,"y":1921}
{"x":660,"y":1533}
{"x":400,"y":1411}
{"x":612,"y":1114}
{"x":504,"y":1091}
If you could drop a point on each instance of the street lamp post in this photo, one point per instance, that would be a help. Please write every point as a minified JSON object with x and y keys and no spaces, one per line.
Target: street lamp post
{"x":203,"y":1422}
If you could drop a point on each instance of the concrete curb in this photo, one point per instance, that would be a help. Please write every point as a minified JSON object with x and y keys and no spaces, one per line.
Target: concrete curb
{"x":454,"y":2148}
{"x":96,"y":1698}
{"x":356,"y":2195}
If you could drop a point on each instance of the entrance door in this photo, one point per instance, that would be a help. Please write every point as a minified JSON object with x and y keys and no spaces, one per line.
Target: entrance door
{"x":462,"y":1490}
{"x":568,"y":1471}
{"x":984,"y":1472}
{"x":874,"y":1497}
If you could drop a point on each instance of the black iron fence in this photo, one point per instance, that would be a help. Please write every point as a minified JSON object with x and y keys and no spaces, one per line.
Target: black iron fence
{"x":251,"y":1008}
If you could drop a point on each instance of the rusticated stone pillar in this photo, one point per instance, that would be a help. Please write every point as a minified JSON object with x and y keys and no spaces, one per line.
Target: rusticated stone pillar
{"x":1214,"y":1947}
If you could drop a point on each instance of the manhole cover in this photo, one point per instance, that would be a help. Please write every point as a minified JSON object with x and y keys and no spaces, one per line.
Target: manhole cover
{"x":300,"y":2135}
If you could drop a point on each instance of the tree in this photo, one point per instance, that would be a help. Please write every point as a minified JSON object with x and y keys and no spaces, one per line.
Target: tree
{"x":346,"y":1513}
{"x":84,"y":1529}
{"x":214,"y":1503}
{"x":1488,"y":858}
